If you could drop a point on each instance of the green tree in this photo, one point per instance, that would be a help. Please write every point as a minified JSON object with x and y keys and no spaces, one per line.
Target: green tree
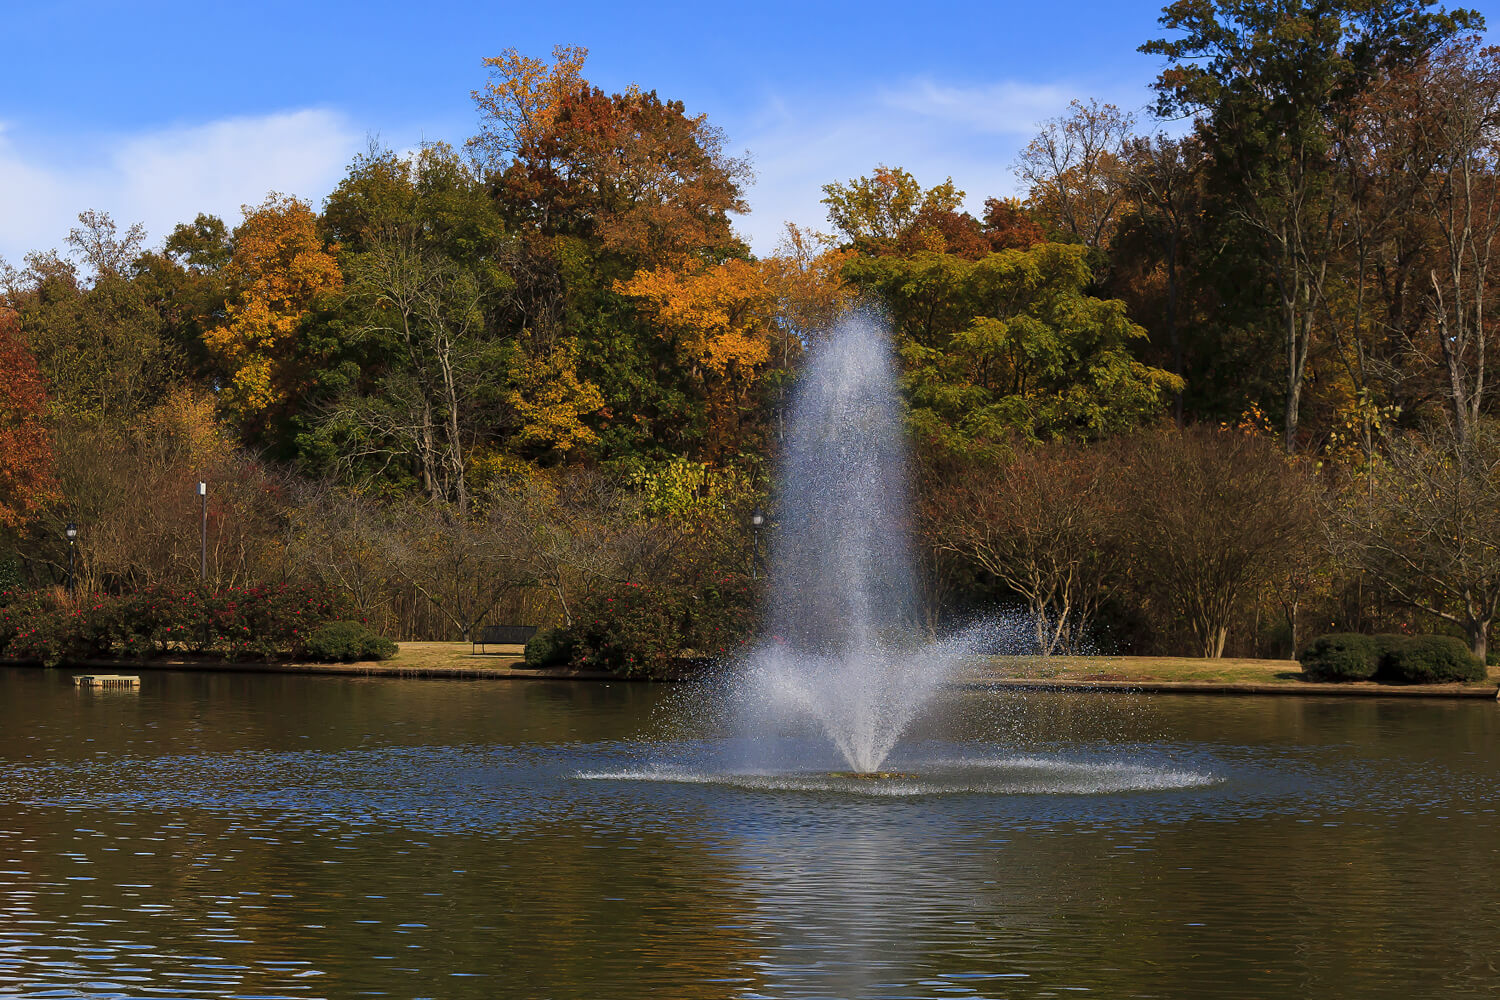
{"x":884,"y":205}
{"x":1270,"y":84}
{"x":101,"y":346}
{"x":1012,"y":343}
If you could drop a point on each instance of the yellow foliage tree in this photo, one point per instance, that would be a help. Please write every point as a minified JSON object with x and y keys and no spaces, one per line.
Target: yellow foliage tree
{"x":520,"y":102}
{"x":719,"y":319}
{"x":278,"y":271}
{"x":550,"y":401}
{"x":806,"y":282}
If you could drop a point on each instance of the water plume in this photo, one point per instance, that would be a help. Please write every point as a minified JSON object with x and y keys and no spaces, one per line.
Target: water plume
{"x":844,"y":650}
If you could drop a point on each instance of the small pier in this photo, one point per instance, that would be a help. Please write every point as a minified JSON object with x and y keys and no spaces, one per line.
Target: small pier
{"x":107,"y":680}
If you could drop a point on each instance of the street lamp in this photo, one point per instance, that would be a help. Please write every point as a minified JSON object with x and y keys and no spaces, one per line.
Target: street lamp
{"x":203,"y":534}
{"x":756,"y":520}
{"x":71,"y":531}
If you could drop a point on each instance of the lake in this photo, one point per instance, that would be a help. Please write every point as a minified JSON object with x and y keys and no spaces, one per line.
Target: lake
{"x":278,"y":835}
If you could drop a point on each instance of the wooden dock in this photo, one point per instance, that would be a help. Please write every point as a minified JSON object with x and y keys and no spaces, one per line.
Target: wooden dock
{"x":107,"y":680}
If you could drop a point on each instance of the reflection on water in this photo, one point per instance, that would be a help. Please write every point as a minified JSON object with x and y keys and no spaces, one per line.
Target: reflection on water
{"x":238,"y":836}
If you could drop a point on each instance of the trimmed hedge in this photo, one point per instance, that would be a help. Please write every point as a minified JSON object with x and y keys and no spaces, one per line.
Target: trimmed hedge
{"x":1429,"y":659}
{"x":348,"y":642}
{"x":1392,"y":659}
{"x":551,"y":647}
{"x":1342,"y":656}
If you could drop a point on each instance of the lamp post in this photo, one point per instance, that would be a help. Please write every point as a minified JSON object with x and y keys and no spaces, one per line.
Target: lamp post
{"x":71,"y":531}
{"x":203,"y":534}
{"x":756,"y":520}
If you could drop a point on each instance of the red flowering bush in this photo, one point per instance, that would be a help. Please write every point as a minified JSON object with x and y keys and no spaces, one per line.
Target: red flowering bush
{"x":647,"y":630}
{"x":630,"y":629}
{"x":723,"y":615}
{"x":18,"y":612}
{"x":263,"y":622}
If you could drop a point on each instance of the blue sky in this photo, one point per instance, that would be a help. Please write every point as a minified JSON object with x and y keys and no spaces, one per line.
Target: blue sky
{"x":154,"y":111}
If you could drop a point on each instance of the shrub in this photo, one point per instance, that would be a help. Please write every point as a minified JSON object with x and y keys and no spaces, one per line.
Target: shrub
{"x":50,"y":628}
{"x":1393,"y":659}
{"x":243,"y":622}
{"x":1344,"y":656}
{"x":1429,"y":659}
{"x":346,"y":642}
{"x":723,"y":615}
{"x":549,"y":648}
{"x":630,"y":629}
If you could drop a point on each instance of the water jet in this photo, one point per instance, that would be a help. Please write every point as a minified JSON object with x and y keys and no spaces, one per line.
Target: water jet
{"x":845,"y":653}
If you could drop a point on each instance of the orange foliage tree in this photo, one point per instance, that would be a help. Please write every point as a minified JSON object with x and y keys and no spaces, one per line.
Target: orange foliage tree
{"x":279,"y":269}
{"x":719,"y":321}
{"x":26,"y":473}
{"x":805,"y":278}
{"x":635,"y":172}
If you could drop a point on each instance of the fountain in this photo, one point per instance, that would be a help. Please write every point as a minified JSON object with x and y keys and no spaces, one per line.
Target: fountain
{"x":844,"y":651}
{"x":828,"y":700}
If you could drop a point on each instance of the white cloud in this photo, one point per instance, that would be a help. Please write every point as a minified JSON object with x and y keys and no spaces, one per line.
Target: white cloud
{"x":930,"y":129}
{"x":165,"y":176}
{"x":1004,"y":108}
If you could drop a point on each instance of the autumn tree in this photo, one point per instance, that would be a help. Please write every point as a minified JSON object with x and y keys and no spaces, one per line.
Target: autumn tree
{"x":1458,"y":121}
{"x":1163,"y":176}
{"x":718,"y":321}
{"x":429,"y":313}
{"x":446,"y":368}
{"x":459,"y":565}
{"x":101,"y":344}
{"x":881,"y":208}
{"x":27,"y":480}
{"x":634,"y":171}
{"x":1074,"y":171}
{"x":1268,"y":84}
{"x":98,"y":242}
{"x":550,"y":403}
{"x":279,"y":270}
{"x":595,"y":188}
{"x":1041,"y":520}
{"x":520,"y":103}
{"x":576,"y":529}
{"x":1212,"y":514}
{"x":805,"y":278}
{"x":139,"y":510}
{"x":1424,"y":520}
{"x":1010,"y":225}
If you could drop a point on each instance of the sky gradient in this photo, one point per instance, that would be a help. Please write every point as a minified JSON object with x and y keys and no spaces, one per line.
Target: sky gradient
{"x":154,"y":111}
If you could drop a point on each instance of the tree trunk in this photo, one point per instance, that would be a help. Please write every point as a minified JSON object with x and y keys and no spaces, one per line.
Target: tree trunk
{"x":1479,"y":637}
{"x":1174,"y":335}
{"x":1293,"y":378}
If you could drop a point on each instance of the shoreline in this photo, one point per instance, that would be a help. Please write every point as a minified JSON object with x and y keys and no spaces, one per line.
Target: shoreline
{"x":1298,"y":689}
{"x":504,"y":670}
{"x":1129,"y":675}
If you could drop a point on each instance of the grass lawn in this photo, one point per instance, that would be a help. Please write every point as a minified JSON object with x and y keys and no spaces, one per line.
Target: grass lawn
{"x":437,"y":658}
{"x":1159,"y":669}
{"x":453,"y":656}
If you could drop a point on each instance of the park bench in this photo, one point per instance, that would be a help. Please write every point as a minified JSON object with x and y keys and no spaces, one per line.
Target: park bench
{"x":502,"y":635}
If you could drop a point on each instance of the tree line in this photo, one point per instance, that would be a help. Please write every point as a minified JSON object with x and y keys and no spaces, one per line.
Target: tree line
{"x":1215,"y":384}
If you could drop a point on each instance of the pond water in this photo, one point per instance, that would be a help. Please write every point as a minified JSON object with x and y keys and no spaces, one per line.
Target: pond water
{"x":292,"y":836}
